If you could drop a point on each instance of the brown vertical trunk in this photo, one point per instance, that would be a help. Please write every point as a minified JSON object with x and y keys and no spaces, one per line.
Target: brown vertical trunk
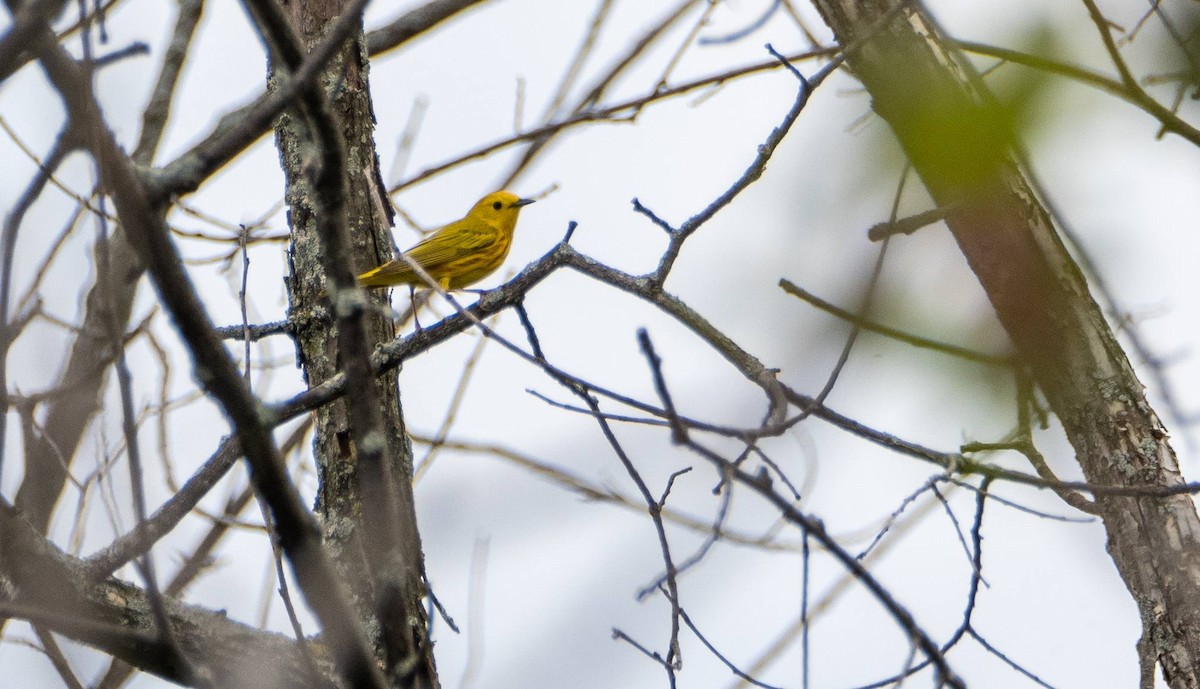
{"x":339,"y":499}
{"x":939,"y":111}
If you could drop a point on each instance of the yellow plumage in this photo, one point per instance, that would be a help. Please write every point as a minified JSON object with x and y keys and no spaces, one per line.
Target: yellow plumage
{"x":461,"y":253}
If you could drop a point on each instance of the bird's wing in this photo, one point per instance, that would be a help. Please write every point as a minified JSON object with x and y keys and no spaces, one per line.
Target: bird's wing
{"x":451,"y":243}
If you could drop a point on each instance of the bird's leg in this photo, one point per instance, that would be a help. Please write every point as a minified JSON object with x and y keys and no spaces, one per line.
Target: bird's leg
{"x":412,"y":299}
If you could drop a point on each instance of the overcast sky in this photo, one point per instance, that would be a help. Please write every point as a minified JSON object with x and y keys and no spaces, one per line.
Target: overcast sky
{"x":554,"y":573}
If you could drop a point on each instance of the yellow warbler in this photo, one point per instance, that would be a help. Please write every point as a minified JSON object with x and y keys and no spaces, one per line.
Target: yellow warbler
{"x":461,"y":253}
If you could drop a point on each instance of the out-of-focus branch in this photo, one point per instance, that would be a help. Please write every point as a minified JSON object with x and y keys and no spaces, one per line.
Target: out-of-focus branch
{"x":1133,"y":94}
{"x":147,"y":231}
{"x":50,"y":454}
{"x":198,"y":560}
{"x":242,"y":127}
{"x":138,"y":540}
{"x":64,"y":144}
{"x":595,"y":492}
{"x":604,"y":114}
{"x":49,"y":589}
{"x":245,"y":125}
{"x":414,"y":23}
{"x":57,"y":658}
{"x":893,"y":333}
{"x":593,"y":96}
{"x":948,"y":124}
{"x":30,"y":20}
{"x":158,"y":110}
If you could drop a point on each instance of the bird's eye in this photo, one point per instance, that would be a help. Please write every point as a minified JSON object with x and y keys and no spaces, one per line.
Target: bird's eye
{"x":496,"y":205}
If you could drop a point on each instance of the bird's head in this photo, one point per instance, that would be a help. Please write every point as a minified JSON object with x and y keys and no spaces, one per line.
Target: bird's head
{"x":499,"y":209}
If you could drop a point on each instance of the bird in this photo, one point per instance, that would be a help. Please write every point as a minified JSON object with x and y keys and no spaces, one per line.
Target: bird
{"x":459,"y":254}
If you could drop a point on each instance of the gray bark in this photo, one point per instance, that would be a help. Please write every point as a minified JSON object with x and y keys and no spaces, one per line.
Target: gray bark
{"x":345,"y":516}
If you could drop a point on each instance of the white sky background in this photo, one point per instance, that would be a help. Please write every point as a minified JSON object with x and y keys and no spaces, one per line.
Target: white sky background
{"x":561,"y":572}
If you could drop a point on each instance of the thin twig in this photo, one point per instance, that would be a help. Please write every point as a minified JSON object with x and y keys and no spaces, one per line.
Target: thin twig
{"x":893,"y":333}
{"x":728,"y":663}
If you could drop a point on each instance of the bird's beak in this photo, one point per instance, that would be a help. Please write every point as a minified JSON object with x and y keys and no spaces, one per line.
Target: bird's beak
{"x":522,"y":202}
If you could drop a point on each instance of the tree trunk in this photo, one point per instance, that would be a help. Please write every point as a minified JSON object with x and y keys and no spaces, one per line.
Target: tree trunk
{"x":939,"y":110}
{"x":340,"y":501}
